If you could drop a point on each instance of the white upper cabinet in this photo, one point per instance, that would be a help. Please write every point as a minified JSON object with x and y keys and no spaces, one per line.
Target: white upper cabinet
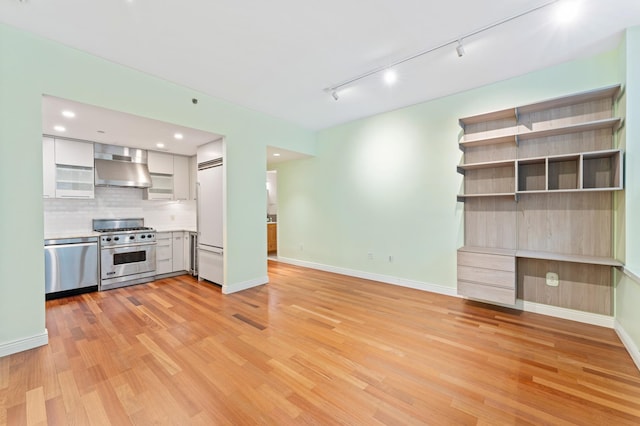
{"x":210,"y":151}
{"x":72,"y":153}
{"x":160,"y":163}
{"x":169,"y":176}
{"x":48,"y":168}
{"x":73,"y":174}
{"x":180,"y":177}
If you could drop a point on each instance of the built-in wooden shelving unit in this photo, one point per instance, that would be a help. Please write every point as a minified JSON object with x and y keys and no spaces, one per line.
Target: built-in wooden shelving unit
{"x":538,"y":190}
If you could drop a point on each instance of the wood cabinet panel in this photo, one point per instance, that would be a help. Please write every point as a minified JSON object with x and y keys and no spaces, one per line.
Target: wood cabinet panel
{"x":486,"y":292}
{"x":489,"y":261}
{"x":272,"y":237}
{"x":581,"y":286}
{"x":492,"y":277}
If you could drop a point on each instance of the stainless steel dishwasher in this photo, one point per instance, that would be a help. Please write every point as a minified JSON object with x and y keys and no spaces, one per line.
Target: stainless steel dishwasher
{"x":71,"y":266}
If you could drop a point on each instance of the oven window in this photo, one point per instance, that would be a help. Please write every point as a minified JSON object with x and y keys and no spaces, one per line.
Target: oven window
{"x":133,"y":257}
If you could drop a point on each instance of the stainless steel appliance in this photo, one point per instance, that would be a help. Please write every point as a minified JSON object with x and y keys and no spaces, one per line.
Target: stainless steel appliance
{"x":121,"y":166}
{"x":193,"y":253}
{"x":70,"y":265}
{"x":127,"y":252}
{"x":210,"y":208}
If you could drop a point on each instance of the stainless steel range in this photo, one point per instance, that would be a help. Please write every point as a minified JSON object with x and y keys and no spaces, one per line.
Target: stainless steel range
{"x":127,"y":252}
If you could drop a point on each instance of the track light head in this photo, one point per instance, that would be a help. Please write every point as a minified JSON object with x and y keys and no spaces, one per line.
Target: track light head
{"x":460,"y":49}
{"x":334,"y":95}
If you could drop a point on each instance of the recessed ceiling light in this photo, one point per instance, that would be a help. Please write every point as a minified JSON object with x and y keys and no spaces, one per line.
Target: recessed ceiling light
{"x":390,"y":77}
{"x":100,"y":131}
{"x":178,"y":136}
{"x":160,"y":145}
{"x":567,"y":11}
{"x":59,"y":128}
{"x":68,"y":114}
{"x":276,"y":154}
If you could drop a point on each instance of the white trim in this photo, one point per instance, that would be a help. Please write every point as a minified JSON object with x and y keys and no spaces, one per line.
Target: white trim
{"x":25,"y":344}
{"x":233,"y":288}
{"x":566,"y":313}
{"x":387,"y":279}
{"x":628,"y":343}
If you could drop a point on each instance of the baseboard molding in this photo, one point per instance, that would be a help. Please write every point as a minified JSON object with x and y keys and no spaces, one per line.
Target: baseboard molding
{"x":233,"y":288}
{"x":565,"y":313}
{"x":25,"y":344}
{"x":628,"y":343}
{"x":387,"y":279}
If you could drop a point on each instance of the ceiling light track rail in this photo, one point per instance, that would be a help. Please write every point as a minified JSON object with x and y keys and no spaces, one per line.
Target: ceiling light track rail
{"x":333,"y":90}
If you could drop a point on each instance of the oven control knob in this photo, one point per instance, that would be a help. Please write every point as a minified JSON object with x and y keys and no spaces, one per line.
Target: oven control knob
{"x":116,"y":238}
{"x":149,"y":236}
{"x":143,"y":236}
{"x":131,"y":237}
{"x":108,"y":238}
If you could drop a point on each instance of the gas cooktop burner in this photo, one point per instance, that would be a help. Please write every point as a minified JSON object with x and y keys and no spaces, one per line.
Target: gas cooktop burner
{"x":135,"y":228}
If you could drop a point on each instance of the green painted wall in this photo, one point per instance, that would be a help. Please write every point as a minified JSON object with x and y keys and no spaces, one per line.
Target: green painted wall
{"x":628,"y":291}
{"x":387,"y":184}
{"x":31,"y":66}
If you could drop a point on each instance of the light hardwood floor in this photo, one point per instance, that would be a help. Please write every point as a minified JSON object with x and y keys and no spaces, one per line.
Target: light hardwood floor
{"x":313,"y":348}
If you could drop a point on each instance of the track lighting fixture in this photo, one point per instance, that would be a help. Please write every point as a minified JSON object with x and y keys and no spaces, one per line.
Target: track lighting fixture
{"x":460,"y":49}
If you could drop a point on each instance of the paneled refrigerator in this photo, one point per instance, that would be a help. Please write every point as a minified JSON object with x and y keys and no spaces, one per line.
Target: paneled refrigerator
{"x":210,"y":222}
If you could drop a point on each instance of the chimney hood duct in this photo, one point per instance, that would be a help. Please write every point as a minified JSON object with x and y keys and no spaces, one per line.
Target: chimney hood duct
{"x":121,"y":166}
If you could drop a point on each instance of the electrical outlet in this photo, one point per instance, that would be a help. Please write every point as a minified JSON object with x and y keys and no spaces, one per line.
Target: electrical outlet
{"x":301,"y":247}
{"x":370,"y":256}
{"x":172,"y":217}
{"x":390,"y":258}
{"x":552,"y":279}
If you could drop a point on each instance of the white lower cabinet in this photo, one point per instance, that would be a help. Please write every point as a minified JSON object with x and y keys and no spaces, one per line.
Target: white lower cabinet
{"x":164,"y":253}
{"x":178,"y":252}
{"x":171,"y":252}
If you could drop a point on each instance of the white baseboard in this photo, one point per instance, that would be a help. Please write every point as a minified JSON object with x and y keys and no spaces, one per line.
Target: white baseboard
{"x":565,"y":313}
{"x":628,"y":343}
{"x":25,"y":344}
{"x":402,"y":282}
{"x":233,"y":288}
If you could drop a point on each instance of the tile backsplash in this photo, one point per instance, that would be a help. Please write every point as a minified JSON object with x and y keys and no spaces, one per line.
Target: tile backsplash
{"x":70,"y":215}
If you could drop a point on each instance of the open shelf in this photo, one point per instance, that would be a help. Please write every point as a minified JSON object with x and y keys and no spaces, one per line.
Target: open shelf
{"x":609,"y":92}
{"x":602,"y":170}
{"x":520,"y":135}
{"x":543,"y":255}
{"x":486,"y":165}
{"x":505,"y":114}
{"x":575,"y":258}
{"x":563,"y":173}
{"x":532,"y":175}
{"x":608,"y":123}
{"x":463,"y":197}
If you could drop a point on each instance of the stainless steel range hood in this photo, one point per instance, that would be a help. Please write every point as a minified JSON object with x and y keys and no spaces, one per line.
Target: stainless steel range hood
{"x":121,"y":166}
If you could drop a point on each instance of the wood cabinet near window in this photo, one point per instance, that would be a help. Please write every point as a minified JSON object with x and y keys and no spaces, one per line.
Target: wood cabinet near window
{"x":272,"y":237}
{"x":538,"y":193}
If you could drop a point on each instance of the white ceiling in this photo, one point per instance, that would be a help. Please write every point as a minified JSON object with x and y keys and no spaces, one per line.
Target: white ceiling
{"x":278,"y":56}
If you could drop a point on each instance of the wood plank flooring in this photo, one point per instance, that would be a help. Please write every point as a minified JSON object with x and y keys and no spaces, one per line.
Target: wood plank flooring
{"x":312,"y":348}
